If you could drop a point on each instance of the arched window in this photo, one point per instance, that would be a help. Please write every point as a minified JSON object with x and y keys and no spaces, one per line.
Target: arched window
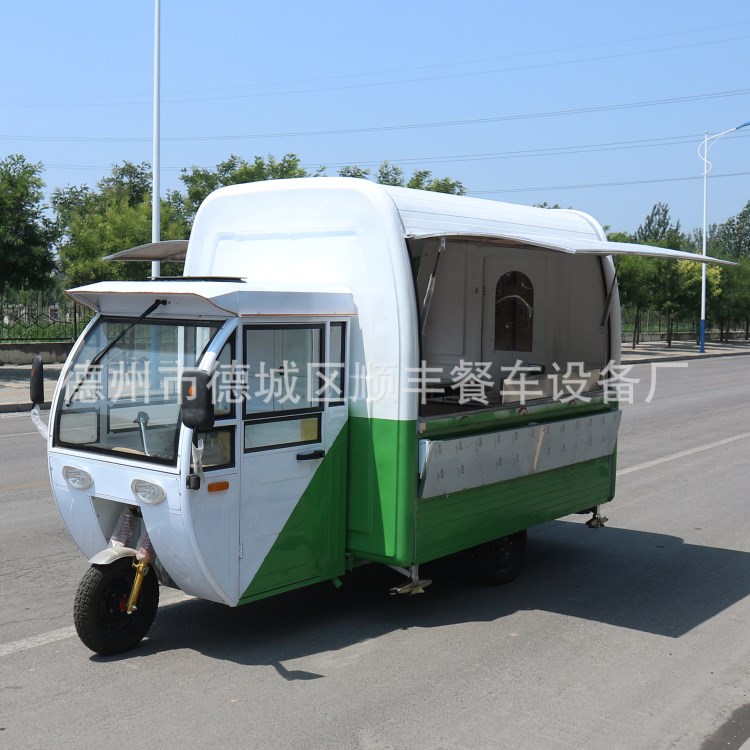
{"x":514,"y":313}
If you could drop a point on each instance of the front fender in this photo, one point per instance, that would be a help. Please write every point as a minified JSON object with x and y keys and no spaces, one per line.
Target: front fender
{"x":111,"y":554}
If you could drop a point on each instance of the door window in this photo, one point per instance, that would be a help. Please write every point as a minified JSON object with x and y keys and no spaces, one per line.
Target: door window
{"x":514,"y":313}
{"x":284,"y":393}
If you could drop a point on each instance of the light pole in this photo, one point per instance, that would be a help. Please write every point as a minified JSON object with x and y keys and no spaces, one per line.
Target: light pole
{"x":155,"y":188}
{"x":708,"y":141}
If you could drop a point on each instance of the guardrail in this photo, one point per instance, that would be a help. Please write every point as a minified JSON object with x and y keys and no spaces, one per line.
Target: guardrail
{"x":40,"y":316}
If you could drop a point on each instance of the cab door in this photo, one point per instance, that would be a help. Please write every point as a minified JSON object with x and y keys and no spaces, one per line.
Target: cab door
{"x":294,"y":455}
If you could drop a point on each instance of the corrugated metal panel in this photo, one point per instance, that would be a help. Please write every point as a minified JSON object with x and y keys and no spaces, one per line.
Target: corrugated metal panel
{"x":427,"y":213}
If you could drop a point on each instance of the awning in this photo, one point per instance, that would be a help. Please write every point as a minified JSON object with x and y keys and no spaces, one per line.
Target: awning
{"x":165,"y":250}
{"x":194,"y":299}
{"x":576,"y":246}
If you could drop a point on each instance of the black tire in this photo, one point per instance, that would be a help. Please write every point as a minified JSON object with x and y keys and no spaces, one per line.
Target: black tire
{"x":99,"y":610}
{"x":500,"y":560}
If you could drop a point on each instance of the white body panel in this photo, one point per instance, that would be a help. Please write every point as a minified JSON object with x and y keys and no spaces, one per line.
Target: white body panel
{"x":315,"y":233}
{"x":172,"y":537}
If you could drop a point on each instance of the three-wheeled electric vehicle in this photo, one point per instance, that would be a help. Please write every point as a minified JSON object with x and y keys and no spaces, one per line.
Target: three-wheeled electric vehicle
{"x":345,"y":373}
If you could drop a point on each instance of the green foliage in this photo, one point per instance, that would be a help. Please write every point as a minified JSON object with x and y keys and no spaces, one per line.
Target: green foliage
{"x":129,"y":183}
{"x":635,"y":275}
{"x":659,"y":230}
{"x":421,"y":179}
{"x":354,"y":171}
{"x":672,"y":289}
{"x":26,"y":235}
{"x":117,"y":215}
{"x":390,"y":174}
{"x":732,"y":301}
{"x":733,"y":237}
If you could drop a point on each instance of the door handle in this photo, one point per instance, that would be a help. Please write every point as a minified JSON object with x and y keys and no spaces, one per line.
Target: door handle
{"x":311,"y":456}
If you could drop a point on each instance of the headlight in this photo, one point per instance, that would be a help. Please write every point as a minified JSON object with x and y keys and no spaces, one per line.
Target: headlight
{"x":77,"y":478}
{"x":148,"y":492}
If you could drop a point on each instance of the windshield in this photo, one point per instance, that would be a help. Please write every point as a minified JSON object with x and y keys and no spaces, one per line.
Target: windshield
{"x":128,"y":401}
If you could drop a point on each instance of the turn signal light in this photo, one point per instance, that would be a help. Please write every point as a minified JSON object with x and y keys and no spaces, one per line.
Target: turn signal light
{"x":217,"y":486}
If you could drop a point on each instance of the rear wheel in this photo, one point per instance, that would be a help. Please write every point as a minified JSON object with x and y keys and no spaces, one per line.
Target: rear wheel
{"x":500,"y":560}
{"x":99,"y":612}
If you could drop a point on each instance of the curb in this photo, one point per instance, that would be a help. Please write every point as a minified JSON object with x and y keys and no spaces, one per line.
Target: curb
{"x":678,"y":357}
{"x":28,"y":406}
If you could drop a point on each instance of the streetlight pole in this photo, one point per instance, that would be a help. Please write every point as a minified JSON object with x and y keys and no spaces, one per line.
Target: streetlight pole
{"x":708,"y":141}
{"x":155,"y":188}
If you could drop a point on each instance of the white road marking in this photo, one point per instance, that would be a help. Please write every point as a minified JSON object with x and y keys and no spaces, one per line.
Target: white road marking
{"x":43,"y":639}
{"x":18,"y":434}
{"x":36,"y":640}
{"x":682,"y":454}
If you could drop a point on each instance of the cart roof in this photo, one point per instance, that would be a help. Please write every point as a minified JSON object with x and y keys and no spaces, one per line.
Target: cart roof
{"x":425,"y":214}
{"x":428,"y":214}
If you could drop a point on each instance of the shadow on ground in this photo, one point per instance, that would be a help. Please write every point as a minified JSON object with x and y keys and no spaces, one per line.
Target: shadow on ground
{"x":630,"y":579}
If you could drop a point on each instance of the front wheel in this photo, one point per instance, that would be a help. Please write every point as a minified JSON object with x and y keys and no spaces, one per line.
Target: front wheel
{"x":500,"y":560}
{"x":99,"y":612}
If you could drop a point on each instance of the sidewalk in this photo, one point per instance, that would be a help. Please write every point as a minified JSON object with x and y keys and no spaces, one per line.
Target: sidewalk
{"x":657,"y":351}
{"x":14,"y":379}
{"x":14,"y":386}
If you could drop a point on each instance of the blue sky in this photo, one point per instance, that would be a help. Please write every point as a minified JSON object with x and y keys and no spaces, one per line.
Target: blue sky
{"x":594,"y":105}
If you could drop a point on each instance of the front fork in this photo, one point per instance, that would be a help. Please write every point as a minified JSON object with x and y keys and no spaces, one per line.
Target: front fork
{"x":141,"y":569}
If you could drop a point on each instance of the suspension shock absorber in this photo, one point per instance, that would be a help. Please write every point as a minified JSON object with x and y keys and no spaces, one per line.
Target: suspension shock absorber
{"x":144,"y":555}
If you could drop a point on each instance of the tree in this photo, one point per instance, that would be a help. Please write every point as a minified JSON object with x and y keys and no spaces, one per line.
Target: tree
{"x":421,"y":179}
{"x":659,"y":230}
{"x":130,"y":183}
{"x":667,"y":278}
{"x":390,"y":174}
{"x":117,"y":215}
{"x":635,"y":275}
{"x":354,"y":171}
{"x":25,"y":234}
{"x":733,"y":300}
{"x":733,"y":237}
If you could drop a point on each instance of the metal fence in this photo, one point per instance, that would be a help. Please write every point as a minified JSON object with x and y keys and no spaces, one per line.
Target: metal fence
{"x":654,"y":323}
{"x":40,"y":316}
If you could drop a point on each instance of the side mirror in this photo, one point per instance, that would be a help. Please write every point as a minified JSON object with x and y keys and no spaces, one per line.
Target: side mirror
{"x":197,"y":400}
{"x":36,"y":384}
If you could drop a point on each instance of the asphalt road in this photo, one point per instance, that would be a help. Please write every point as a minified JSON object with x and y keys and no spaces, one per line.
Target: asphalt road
{"x":636,"y":636}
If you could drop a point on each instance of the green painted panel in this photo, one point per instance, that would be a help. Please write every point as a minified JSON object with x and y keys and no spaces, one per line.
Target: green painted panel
{"x":310,"y":547}
{"x":464,"y":519}
{"x":382,"y":489}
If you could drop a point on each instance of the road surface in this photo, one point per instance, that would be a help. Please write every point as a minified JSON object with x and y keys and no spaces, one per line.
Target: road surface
{"x":636,"y":636}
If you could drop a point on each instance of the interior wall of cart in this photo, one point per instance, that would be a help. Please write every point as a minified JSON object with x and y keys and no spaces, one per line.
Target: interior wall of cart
{"x":558,"y":300}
